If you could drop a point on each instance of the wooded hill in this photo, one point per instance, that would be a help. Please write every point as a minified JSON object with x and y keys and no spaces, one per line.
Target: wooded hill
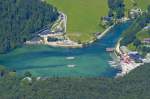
{"x":135,"y":85}
{"x":20,"y":18}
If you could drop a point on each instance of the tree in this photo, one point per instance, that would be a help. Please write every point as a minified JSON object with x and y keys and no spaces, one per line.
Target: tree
{"x":148,"y":9}
{"x":116,"y":8}
{"x":3,"y":71}
{"x":20,"y":19}
{"x":129,"y":35}
{"x":136,"y":42}
{"x":27,"y":74}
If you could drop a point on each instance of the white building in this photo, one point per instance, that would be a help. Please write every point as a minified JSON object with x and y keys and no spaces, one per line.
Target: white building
{"x":134,"y":13}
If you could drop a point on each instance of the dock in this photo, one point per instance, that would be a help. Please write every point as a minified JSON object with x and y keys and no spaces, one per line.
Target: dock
{"x":110,"y":49}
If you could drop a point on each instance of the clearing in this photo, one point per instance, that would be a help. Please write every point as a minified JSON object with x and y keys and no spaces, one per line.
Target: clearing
{"x":83,"y":17}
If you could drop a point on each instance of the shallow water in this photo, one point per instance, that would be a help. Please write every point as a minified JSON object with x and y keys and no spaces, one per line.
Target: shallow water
{"x":52,"y":61}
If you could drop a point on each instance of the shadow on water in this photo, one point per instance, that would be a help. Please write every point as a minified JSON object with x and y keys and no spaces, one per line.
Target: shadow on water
{"x":34,"y":67}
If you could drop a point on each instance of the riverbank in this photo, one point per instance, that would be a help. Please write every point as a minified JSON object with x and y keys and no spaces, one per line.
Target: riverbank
{"x":59,"y":29}
{"x":123,"y":20}
{"x":100,"y":35}
{"x":73,"y":44}
{"x":65,"y":43}
{"x":107,"y":30}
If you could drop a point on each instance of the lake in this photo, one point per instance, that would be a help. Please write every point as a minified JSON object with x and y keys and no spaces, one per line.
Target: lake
{"x":90,"y":61}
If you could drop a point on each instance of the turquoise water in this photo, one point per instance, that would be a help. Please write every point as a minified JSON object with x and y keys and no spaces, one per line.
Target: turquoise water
{"x":51,"y":61}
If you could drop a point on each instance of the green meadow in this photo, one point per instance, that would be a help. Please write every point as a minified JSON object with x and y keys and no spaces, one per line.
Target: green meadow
{"x":83,"y":17}
{"x":143,"y":34}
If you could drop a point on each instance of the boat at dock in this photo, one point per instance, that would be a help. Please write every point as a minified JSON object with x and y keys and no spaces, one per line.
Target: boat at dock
{"x":110,"y":49}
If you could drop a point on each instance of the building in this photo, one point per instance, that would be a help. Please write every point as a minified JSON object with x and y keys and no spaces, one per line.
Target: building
{"x":146,"y":40}
{"x":48,"y":33}
{"x":136,"y":56}
{"x":134,"y":13}
{"x":124,"y":49}
{"x":107,"y":20}
{"x":147,"y":27}
{"x":35,"y":40}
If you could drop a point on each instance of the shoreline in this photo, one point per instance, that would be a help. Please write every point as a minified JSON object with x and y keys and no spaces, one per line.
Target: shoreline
{"x":64,"y":43}
{"x":124,"y":67}
{"x":67,"y":43}
{"x":125,"y":19}
{"x":101,"y":34}
{"x":105,"y":32}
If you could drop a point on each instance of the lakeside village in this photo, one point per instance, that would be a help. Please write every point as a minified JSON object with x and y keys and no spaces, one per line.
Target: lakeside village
{"x":126,"y":60}
{"x":55,"y":36}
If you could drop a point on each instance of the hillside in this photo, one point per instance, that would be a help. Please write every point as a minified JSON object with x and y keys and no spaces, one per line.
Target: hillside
{"x":135,"y":85}
{"x":83,"y":17}
{"x":20,"y":18}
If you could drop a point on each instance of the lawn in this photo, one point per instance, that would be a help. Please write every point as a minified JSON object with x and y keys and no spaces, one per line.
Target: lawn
{"x":83,"y":17}
{"x":143,"y":34}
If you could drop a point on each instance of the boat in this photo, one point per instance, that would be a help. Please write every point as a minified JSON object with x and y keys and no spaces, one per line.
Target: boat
{"x":114,"y":65}
{"x":71,"y":66}
{"x":70,"y":58}
{"x":111,"y":62}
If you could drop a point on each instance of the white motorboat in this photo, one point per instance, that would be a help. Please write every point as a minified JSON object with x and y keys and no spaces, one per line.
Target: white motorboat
{"x":70,"y":58}
{"x":71,"y":66}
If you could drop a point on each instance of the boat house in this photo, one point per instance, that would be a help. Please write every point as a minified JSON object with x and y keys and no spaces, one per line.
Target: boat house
{"x":135,"y":56}
{"x":146,"y":40}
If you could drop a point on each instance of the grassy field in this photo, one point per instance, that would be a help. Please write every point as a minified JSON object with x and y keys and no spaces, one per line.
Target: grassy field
{"x":140,"y":35}
{"x":143,"y":34}
{"x":83,"y":17}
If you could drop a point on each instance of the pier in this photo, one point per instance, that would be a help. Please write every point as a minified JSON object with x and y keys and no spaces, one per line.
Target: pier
{"x":110,"y":49}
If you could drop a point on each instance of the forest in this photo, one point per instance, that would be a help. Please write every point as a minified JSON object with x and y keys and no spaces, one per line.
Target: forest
{"x":135,"y":85}
{"x":20,"y":19}
{"x":116,"y":8}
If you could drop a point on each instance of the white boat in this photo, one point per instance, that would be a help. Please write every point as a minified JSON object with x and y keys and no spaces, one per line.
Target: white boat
{"x":70,"y":58}
{"x":115,"y":65}
{"x":111,"y":62}
{"x":71,"y":66}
